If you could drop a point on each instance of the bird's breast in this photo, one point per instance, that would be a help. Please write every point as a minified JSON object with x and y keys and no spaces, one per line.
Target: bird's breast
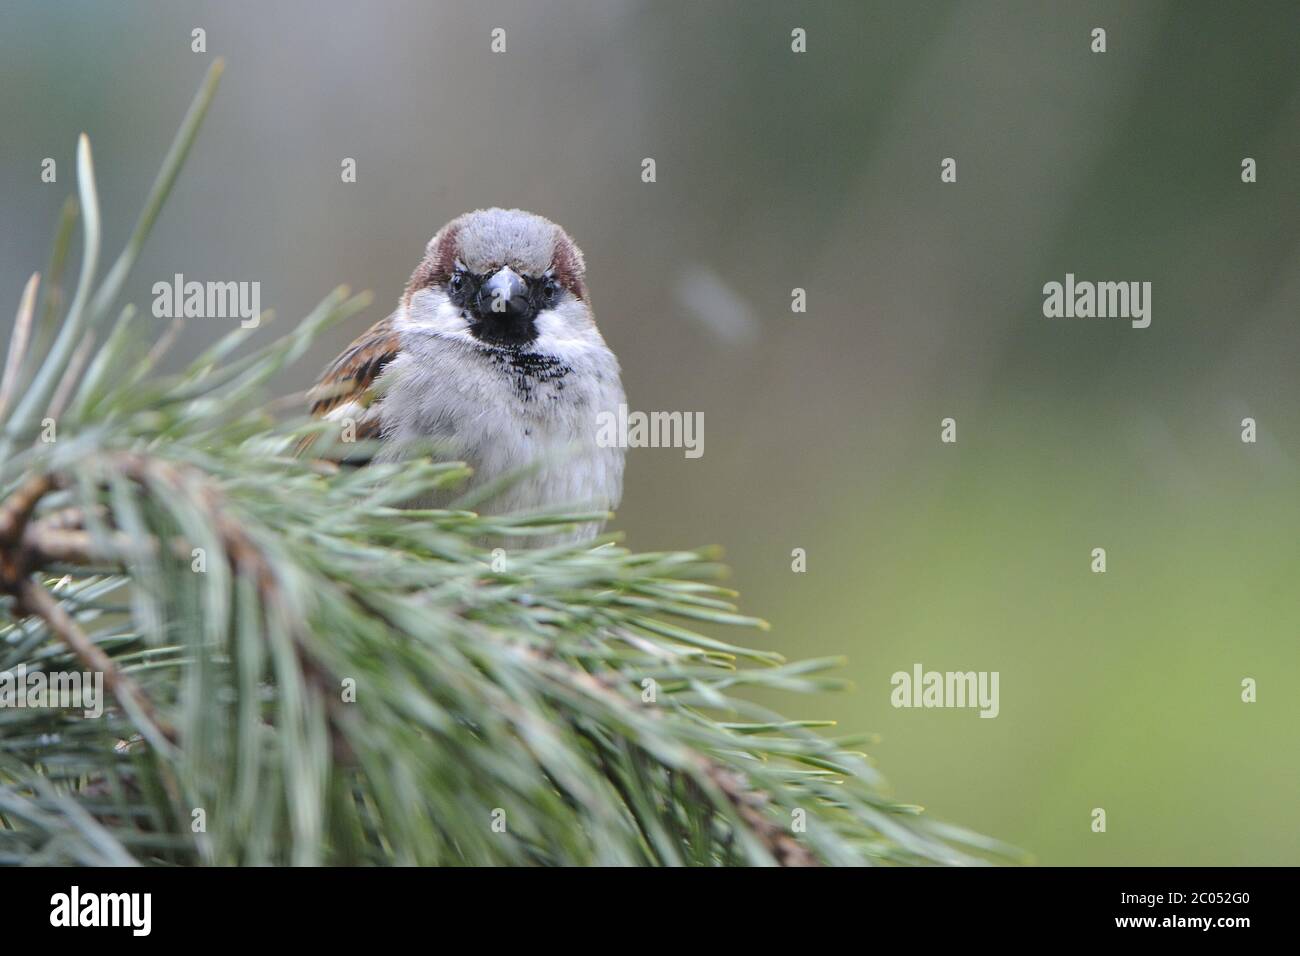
{"x":531,"y":419}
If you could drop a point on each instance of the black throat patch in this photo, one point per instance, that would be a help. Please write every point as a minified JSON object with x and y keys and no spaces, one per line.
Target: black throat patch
{"x":528,"y":371}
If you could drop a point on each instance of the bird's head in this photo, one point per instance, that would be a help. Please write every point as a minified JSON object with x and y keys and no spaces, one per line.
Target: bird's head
{"x":503,"y":278}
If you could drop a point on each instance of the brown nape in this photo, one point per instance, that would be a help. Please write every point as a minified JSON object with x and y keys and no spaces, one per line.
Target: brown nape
{"x":437,"y":265}
{"x":568,"y":265}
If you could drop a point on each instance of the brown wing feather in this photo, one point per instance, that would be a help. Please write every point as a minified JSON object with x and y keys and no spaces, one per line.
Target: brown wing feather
{"x":350,"y":378}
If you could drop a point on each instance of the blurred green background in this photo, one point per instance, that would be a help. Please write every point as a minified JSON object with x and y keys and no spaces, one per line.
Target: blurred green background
{"x":821,"y":170}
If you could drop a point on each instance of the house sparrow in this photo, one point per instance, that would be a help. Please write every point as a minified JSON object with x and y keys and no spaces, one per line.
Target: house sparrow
{"x":494,"y":355}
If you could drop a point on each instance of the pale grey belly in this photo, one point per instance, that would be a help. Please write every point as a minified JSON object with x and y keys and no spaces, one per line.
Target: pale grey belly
{"x":524,"y":470}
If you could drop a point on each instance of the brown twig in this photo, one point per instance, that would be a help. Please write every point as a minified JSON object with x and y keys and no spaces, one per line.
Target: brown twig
{"x":749,"y":803}
{"x":746,"y":801}
{"x":36,"y":600}
{"x":26,"y":545}
{"x":46,"y":544}
{"x":245,"y":555}
{"x":17,"y":510}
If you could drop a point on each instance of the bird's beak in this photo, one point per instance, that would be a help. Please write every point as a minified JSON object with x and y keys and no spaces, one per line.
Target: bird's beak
{"x":504,"y":295}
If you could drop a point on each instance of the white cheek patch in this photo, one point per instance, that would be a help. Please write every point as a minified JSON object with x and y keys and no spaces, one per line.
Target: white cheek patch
{"x":550,"y":327}
{"x":432,"y":311}
{"x":567,"y":333}
{"x":566,"y":324}
{"x":555,"y":336}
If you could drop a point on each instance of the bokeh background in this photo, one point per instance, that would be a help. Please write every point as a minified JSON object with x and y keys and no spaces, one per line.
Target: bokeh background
{"x":821,"y":170}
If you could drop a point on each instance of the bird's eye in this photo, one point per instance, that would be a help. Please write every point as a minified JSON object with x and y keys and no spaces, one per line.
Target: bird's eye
{"x":550,"y":291}
{"x":457,"y":281}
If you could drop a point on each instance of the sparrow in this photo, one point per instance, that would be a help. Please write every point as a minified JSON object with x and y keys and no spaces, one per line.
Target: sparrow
{"x":494,"y":358}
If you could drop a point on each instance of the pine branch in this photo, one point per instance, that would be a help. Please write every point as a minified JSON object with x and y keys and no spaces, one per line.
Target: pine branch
{"x":303,"y":672}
